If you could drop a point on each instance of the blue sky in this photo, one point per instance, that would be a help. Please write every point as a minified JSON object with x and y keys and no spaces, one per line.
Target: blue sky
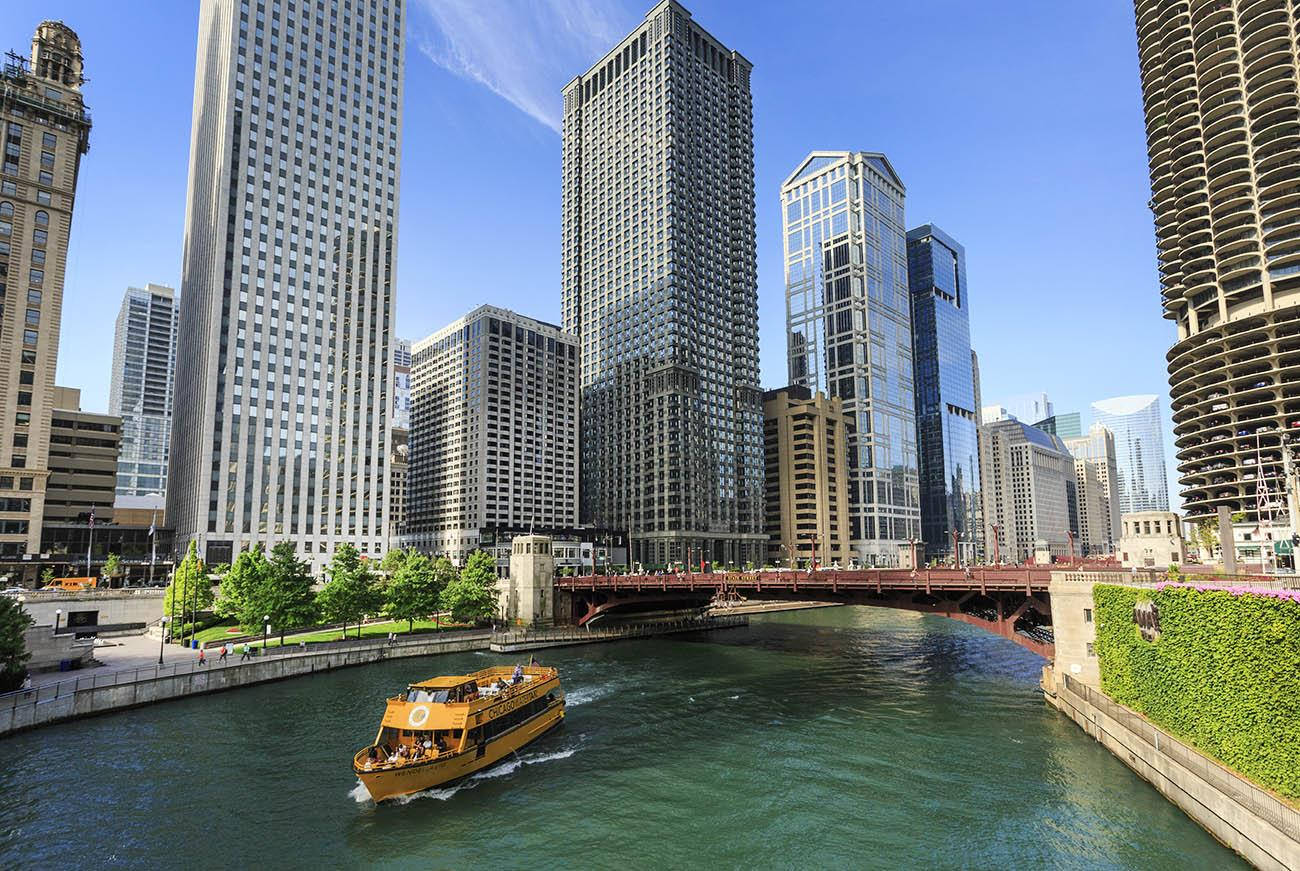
{"x":1015,"y":124}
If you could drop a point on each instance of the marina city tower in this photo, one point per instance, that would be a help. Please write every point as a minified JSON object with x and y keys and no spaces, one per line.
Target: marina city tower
{"x":660,"y":287}
{"x":283,"y":384}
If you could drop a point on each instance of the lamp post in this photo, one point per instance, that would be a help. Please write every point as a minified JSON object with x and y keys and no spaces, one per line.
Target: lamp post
{"x":266,"y":630}
{"x":58,"y":612}
{"x":162,"y":638}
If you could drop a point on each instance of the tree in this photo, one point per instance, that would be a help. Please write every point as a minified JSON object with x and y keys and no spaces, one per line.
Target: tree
{"x":413,"y":589}
{"x":13,"y":645}
{"x":1206,"y":536}
{"x":351,"y":593}
{"x":473,"y":595}
{"x":47,"y":576}
{"x":286,"y":594}
{"x":239,"y":589}
{"x":394,"y":559}
{"x":189,"y":587}
{"x":112,"y":567}
{"x":444,"y":571}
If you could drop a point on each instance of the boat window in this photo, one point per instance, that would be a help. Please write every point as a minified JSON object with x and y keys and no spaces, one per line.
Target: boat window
{"x":441,"y":696}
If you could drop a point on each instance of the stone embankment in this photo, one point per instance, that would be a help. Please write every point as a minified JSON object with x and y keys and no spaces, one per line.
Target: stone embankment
{"x":1252,"y":821}
{"x":540,"y":639}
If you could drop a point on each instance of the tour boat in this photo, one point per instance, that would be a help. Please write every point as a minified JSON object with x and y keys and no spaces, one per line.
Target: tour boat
{"x":439,"y":731}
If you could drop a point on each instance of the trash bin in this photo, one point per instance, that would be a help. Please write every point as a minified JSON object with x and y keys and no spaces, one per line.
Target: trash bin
{"x":194,"y":645}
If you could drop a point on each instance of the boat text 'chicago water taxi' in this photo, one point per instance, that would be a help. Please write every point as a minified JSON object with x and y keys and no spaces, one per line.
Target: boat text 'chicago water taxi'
{"x":438,"y":731}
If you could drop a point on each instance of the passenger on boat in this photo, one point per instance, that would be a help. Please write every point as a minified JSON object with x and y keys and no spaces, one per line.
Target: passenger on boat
{"x":438,"y":742}
{"x":519,"y":673}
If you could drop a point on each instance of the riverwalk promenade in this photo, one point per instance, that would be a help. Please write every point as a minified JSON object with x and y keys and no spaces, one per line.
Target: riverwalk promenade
{"x":105,"y":690}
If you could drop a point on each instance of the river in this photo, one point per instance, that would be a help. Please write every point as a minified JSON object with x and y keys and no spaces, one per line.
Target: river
{"x":846,"y":737}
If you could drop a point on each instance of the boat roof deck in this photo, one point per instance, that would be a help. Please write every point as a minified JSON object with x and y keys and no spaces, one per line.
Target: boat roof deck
{"x":495,"y":671}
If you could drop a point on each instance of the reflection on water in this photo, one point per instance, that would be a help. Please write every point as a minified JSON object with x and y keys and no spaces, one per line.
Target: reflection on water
{"x":847,"y":736}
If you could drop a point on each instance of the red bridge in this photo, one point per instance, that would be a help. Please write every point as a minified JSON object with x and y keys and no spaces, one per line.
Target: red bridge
{"x":1009,"y":601}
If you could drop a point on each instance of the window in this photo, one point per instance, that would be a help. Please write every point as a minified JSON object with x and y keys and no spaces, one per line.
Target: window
{"x":1090,"y":650}
{"x":49,"y":140}
{"x":43,"y":197}
{"x":29,"y":338}
{"x":39,"y":238}
{"x":33,"y":297}
{"x":37,"y":277}
{"x":6,"y":209}
{"x":47,"y":159}
{"x":45,"y":177}
{"x":1087,"y":615}
{"x":23,"y":418}
{"x":42,"y":218}
{"x":33,"y":317}
{"x":6,"y":228}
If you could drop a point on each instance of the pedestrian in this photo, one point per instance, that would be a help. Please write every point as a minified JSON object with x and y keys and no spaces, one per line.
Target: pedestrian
{"x":245,"y":654}
{"x":203,"y":656}
{"x":222,"y":657}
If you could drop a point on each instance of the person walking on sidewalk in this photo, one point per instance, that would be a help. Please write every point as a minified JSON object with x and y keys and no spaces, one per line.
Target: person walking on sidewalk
{"x":222,"y":658}
{"x":203,"y":656}
{"x":245,"y":653}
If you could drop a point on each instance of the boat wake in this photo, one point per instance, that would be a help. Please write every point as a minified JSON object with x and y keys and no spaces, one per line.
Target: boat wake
{"x":362,"y":796}
{"x":583,"y":695}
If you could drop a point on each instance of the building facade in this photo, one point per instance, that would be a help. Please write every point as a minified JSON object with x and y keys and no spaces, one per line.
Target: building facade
{"x":494,"y":431}
{"x":1218,"y":86}
{"x":283,"y":376}
{"x":45,"y":129}
{"x":140,"y":387}
{"x":947,"y":410}
{"x":399,"y":448}
{"x":1152,"y":539}
{"x":660,"y":287}
{"x":1068,"y":425}
{"x":1028,"y":481}
{"x":1094,"y":459}
{"x":1139,"y":450}
{"x":849,"y":331}
{"x":401,"y":384}
{"x":83,"y":461}
{"x":806,"y":500}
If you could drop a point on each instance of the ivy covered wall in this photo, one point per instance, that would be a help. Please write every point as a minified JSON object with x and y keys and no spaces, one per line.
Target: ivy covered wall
{"x":1223,"y":672}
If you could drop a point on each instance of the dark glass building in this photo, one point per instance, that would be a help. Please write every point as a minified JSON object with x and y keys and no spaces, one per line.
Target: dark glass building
{"x":947,"y":412}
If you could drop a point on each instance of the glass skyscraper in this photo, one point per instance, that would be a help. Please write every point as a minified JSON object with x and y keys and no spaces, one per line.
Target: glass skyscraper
{"x":849,"y":331}
{"x":283,"y":379}
{"x":947,"y":413}
{"x":140,"y":390}
{"x":1139,"y":450}
{"x":660,"y":287}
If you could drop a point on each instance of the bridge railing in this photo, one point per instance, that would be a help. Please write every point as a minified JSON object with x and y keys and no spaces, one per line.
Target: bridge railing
{"x":631,"y":630}
{"x":1283,"y":816}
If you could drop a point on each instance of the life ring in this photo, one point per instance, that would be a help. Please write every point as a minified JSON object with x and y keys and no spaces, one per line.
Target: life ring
{"x":419,"y":716}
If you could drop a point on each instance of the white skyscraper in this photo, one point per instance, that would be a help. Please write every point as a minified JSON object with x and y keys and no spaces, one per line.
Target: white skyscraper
{"x":283,"y":361}
{"x":140,"y":390}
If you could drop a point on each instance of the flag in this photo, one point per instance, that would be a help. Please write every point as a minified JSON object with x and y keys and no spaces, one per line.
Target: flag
{"x":152,"y":519}
{"x":92,"y":518}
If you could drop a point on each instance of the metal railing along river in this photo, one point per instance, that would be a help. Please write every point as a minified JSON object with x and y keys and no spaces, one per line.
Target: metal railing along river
{"x":100,"y":679}
{"x":630,"y":630}
{"x":1249,"y":795}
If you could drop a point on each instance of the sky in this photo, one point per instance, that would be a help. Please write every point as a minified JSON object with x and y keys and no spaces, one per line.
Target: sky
{"x":1016,"y":126}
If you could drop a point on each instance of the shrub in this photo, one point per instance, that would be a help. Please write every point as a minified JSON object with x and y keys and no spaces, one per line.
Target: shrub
{"x":1224,"y":674}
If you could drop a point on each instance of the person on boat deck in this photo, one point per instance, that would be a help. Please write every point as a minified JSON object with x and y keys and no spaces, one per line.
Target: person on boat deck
{"x":438,"y":742}
{"x":519,"y":673}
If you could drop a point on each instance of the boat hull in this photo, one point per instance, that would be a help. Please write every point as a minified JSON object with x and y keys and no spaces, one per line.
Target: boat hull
{"x":390,"y":783}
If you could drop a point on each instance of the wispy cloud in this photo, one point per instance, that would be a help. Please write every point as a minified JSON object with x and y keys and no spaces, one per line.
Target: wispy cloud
{"x":525,"y":51}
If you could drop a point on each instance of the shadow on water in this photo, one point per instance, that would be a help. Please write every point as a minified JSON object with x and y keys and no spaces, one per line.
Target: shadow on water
{"x":848,"y":736}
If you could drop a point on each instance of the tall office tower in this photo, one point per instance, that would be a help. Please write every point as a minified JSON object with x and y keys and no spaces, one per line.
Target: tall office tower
{"x":1139,"y":450}
{"x":1028,"y":481}
{"x":45,"y":129}
{"x":283,"y":376}
{"x":494,"y":423}
{"x":1067,"y":425}
{"x":401,"y":384}
{"x":947,"y":413}
{"x":1218,"y":83}
{"x":660,"y":287}
{"x":849,"y":331}
{"x":1097,"y":449}
{"x":83,"y":464}
{"x":140,"y":389}
{"x":806,"y":451}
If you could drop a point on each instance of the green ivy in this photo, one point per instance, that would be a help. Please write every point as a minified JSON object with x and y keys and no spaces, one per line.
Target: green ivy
{"x":1224,"y":674}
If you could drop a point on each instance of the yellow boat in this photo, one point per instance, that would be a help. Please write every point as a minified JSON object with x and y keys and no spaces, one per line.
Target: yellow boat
{"x":439,"y":731}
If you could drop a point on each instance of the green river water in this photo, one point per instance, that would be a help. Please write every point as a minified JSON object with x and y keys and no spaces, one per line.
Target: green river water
{"x":846,"y":737}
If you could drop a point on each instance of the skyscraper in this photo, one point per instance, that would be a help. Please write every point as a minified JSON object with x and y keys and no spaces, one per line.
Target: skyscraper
{"x":1139,"y":450}
{"x":1067,"y":425}
{"x":660,"y":287}
{"x":849,"y":331}
{"x":140,"y":387}
{"x":1029,"y":484}
{"x":1094,"y":459}
{"x":947,"y":413}
{"x":45,"y":129}
{"x":494,"y":431}
{"x":1218,"y":85}
{"x":283,"y":377}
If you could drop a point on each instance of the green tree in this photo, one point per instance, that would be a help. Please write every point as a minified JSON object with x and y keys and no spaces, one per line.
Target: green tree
{"x":189,"y":587}
{"x":13,"y":646}
{"x":394,"y":559}
{"x":472,"y":596}
{"x":112,"y":568}
{"x":351,"y":593}
{"x":47,"y":576}
{"x":1206,"y":536}
{"x":444,"y":571}
{"x":413,"y":589}
{"x":286,"y":594}
{"x":240,"y":586}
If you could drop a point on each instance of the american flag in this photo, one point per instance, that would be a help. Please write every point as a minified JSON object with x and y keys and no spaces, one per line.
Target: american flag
{"x":92,"y":518}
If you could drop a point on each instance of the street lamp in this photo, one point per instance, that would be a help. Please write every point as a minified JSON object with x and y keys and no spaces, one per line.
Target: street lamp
{"x":58,"y":612}
{"x":162,"y":638}
{"x":266,"y":630}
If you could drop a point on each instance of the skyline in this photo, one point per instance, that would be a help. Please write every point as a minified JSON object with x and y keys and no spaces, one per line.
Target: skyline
{"x":1000,"y":195}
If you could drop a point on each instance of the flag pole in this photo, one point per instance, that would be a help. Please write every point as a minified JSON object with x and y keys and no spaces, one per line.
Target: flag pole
{"x":153,"y":544}
{"x":90,"y":542}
